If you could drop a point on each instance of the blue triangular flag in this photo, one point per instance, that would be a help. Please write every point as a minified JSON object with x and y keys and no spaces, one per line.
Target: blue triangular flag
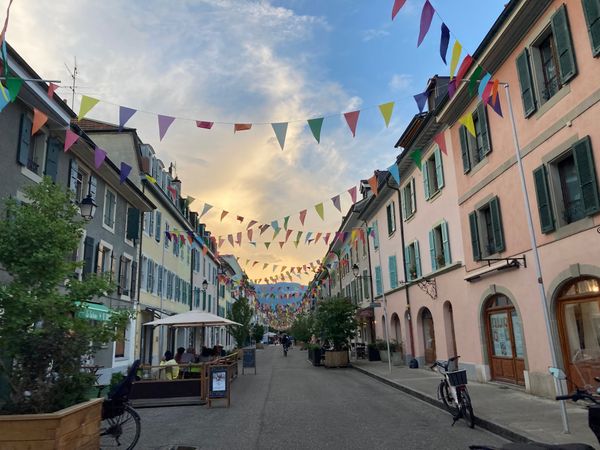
{"x":125,"y":171}
{"x":124,"y":115}
{"x":280,"y":130}
{"x":444,"y":42}
{"x":421,"y":99}
{"x":393,"y":170}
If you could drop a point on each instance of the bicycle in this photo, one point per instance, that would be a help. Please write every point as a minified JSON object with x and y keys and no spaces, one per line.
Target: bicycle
{"x":453,"y":392}
{"x":120,"y":425}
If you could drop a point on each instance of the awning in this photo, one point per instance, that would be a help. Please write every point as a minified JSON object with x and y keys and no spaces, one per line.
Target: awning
{"x":500,"y":264}
{"x":93,"y":311}
{"x":193,"y":318}
{"x":365,"y":313}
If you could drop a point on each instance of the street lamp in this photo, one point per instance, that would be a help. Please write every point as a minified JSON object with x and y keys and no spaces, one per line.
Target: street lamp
{"x":204,"y":285}
{"x":355,"y":270}
{"x":87,"y":207}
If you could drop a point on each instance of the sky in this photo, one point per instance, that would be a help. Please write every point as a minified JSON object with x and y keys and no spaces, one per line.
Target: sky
{"x":260,"y":62}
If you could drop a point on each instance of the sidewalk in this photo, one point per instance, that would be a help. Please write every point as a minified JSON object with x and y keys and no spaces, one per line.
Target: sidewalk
{"x":506,"y":411}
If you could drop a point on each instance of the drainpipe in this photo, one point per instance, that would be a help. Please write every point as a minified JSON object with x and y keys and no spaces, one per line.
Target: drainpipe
{"x":370,"y":276}
{"x":139,"y":279}
{"x":410,"y":327}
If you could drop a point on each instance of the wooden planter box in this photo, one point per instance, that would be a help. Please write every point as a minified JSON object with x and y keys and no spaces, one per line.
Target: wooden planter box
{"x":75,"y":427}
{"x":336,"y":359}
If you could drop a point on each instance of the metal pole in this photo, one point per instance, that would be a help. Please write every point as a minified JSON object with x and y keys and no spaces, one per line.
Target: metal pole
{"x":536,"y":258}
{"x":385,"y":317}
{"x":160,"y":330}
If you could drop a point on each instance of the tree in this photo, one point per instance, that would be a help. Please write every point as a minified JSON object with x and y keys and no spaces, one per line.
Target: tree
{"x":258,"y":331}
{"x":42,"y":336}
{"x":336,"y":321}
{"x":303,"y":327}
{"x":241,"y":312}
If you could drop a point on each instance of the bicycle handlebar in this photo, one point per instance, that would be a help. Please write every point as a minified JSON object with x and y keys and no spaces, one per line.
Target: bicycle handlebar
{"x":578,"y":395}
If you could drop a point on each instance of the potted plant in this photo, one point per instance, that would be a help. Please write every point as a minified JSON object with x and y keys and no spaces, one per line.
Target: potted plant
{"x":336,"y":322}
{"x":302,"y":329}
{"x":373,"y":352}
{"x":441,"y":261}
{"x":258,"y":332}
{"x":383,"y":350}
{"x":412,"y":270}
{"x":314,"y":354}
{"x":43,"y":334}
{"x":397,"y":353}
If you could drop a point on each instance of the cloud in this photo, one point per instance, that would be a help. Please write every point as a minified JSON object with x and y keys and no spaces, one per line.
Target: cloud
{"x":372,"y":33}
{"x":400,"y":82}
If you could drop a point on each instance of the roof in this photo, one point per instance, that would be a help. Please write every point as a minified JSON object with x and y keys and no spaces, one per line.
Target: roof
{"x":98,"y":125}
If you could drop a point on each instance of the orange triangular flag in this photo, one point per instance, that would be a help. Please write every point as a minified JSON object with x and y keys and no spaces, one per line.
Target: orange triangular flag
{"x":39,"y":119}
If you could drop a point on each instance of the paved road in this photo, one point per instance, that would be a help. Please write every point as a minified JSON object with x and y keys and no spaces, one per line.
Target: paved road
{"x":290,"y":404}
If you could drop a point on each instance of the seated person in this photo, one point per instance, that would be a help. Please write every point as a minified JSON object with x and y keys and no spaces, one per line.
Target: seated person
{"x":171,"y":369}
{"x":179,"y":354}
{"x":188,"y":357}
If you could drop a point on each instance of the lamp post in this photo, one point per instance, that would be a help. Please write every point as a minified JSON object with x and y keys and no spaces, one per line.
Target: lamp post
{"x":87,"y":207}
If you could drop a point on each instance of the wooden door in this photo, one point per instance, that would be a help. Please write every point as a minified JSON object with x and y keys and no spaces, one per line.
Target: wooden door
{"x":505,"y":344}
{"x":428,"y":337}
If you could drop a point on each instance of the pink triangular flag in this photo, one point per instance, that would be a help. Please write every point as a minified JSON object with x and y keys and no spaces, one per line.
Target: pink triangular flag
{"x":230,"y":239}
{"x":398,"y":4}
{"x":70,"y":138}
{"x":250,"y":231}
{"x":352,"y":120}
{"x":287,"y":234}
{"x":352,"y":192}
{"x":205,"y":125}
{"x":39,"y":119}
{"x":51,"y":88}
{"x":99,"y":157}
{"x":239,"y":238}
{"x":251,"y":223}
{"x":441,"y":142}
{"x":221,"y":240}
{"x":164,"y":122}
{"x":336,"y":202}
{"x":302,"y":216}
{"x":280,"y":245}
{"x":326,"y":238}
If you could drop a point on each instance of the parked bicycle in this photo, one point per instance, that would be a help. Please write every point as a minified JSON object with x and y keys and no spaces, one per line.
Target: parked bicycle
{"x":453,"y":392}
{"x":593,"y":422}
{"x":120,"y":425}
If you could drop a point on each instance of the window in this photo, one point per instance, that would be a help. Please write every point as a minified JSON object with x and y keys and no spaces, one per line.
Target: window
{"x":548,"y":64}
{"x":391,"y":218}
{"x":393,"y":268}
{"x":375,"y":227}
{"x":150,"y":277}
{"x":144,"y":274}
{"x":591,"y":8}
{"x":110,"y":209}
{"x":120,"y":344}
{"x":378,"y":281}
{"x":158,"y":226}
{"x":132,"y":225}
{"x":104,"y":258}
{"x":487,"y":236}
{"x":412,"y":261}
{"x":170,"y":285}
{"x":566,"y":188}
{"x":159,"y":283}
{"x":366,"y":286}
{"x":197,"y":297}
{"x":124,"y":283}
{"x":433,"y":174}
{"x":439,"y":246}
{"x":409,"y":200}
{"x":37,"y":153}
{"x":475,"y":148}
{"x":167,"y":239}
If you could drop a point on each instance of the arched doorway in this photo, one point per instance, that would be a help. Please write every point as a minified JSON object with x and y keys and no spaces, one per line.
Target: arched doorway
{"x":450,"y":335}
{"x":579,"y":329}
{"x":428,"y":336}
{"x":395,"y":331}
{"x":505,"y":340}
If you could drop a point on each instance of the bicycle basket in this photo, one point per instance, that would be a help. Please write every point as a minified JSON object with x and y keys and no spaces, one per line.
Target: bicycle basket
{"x":112,"y":408}
{"x":457,"y":378}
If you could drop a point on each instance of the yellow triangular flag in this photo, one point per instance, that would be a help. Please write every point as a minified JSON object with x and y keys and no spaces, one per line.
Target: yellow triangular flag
{"x":320,"y":211}
{"x":386,"y":111}
{"x":456,"y":50}
{"x":87,"y":103}
{"x":467,"y":121}
{"x":150,"y":179}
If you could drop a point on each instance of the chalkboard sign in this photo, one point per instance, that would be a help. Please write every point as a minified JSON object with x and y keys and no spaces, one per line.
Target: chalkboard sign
{"x":249,"y":359}
{"x":218,"y":381}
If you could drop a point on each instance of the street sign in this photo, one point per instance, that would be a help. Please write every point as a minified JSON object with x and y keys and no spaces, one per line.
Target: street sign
{"x":218,"y":381}
{"x":375,"y":305}
{"x":249,"y":359}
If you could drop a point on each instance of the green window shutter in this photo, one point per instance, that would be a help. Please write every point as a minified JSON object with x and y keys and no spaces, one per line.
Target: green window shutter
{"x":88,"y":255}
{"x":133,"y":288}
{"x":432,"y":250}
{"x":52,"y":152}
{"x":474,"y":236}
{"x":375,"y":234}
{"x":92,"y":187}
{"x":413,"y":196}
{"x":446,"y":244}
{"x":425,"y":173}
{"x":497,"y":224}
{"x":526,"y":82}
{"x":485,"y":129}
{"x":439,"y":170}
{"x":407,"y":263}
{"x":158,"y":226}
{"x":133,"y":223}
{"x":584,"y":163}
{"x":564,"y":46}
{"x":393,"y":272}
{"x":405,"y":202}
{"x":464,"y":148}
{"x":378,"y":284}
{"x":591,"y":8}
{"x":73,"y":170}
{"x":543,"y":199}
{"x":389,"y":219}
{"x":417,"y":259}
{"x":24,"y":140}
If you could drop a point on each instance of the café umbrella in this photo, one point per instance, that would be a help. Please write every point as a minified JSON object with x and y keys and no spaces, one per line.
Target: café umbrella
{"x":193,"y":319}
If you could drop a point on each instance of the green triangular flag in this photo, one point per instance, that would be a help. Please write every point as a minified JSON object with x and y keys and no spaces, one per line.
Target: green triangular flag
{"x":285,"y":222}
{"x":267,"y":245}
{"x":14,"y":87}
{"x":87,"y":103}
{"x":320,"y":211}
{"x":474,"y":80}
{"x":416,"y":156}
{"x":386,"y":111}
{"x":296,"y":243}
{"x":315,"y":126}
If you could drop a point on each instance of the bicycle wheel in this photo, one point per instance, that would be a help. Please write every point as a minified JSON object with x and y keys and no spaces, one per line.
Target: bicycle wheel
{"x":445,"y":397}
{"x":121,"y":431}
{"x":466,"y":407}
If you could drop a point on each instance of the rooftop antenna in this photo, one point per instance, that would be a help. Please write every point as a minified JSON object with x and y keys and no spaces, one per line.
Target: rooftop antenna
{"x":73,"y":75}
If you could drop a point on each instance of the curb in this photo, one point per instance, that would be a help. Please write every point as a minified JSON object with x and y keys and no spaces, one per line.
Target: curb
{"x":493,"y":427}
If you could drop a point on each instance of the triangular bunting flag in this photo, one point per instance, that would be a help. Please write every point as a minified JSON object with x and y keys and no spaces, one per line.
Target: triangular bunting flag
{"x":285,"y":222}
{"x":393,"y":170}
{"x":51,"y":88}
{"x":280,"y":130}
{"x":14,"y":86}
{"x":483,"y":84}
{"x":267,"y":245}
{"x":263,"y":228}
{"x":203,"y":124}
{"x":315,"y":127}
{"x":164,"y":122}
{"x":373,"y":183}
{"x":451,"y":88}
{"x":421,"y":99}
{"x":496,"y":106}
{"x":125,"y":171}
{"x":336,"y":202}
{"x":320,"y":211}
{"x":99,"y":157}
{"x":398,"y":4}
{"x":467,"y":121}
{"x":206,"y":208}
{"x":281,"y":243}
{"x":456,"y":51}
{"x":251,"y":223}
{"x":302,"y":216}
{"x":230,"y":239}
{"x":39,"y":119}
{"x":317,"y":237}
{"x":241,"y":127}
{"x":124,"y":115}
{"x":250,"y":231}
{"x":265,"y":265}
{"x":221,"y":240}
{"x":151,"y":179}
{"x":386,"y":111}
{"x":238,"y":238}
{"x":416,"y":156}
{"x":223,"y":214}
{"x":426,"y":16}
{"x":87,"y":103}
{"x":287,"y":234}
{"x":326,"y":238}
{"x":463,"y":69}
{"x":352,"y":192}
{"x":352,"y":120}
{"x":474,"y":80}
{"x":444,"y":40}
{"x":440,"y":140}
{"x":495,"y":90}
